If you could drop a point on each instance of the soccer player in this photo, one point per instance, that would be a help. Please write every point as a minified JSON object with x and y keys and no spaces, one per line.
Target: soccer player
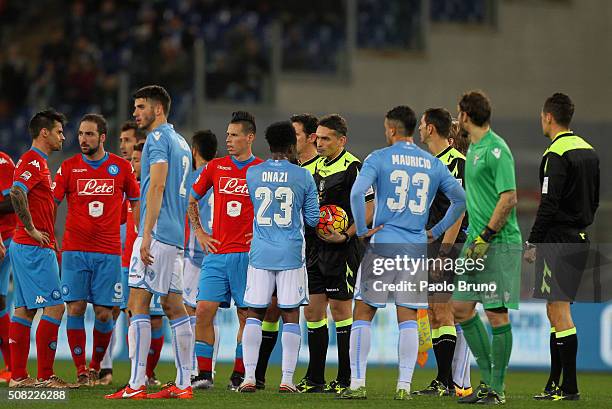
{"x":129,"y":137}
{"x":305,"y":126}
{"x":33,"y":257}
{"x":404,"y":190}
{"x":203,"y":150}
{"x":491,"y":200}
{"x":285,"y":198}
{"x":569,"y":176}
{"x":157,"y":260}
{"x":223,"y":275}
{"x":94,"y":183}
{"x":435,"y":130}
{"x":7,"y":230}
{"x":332,"y":280}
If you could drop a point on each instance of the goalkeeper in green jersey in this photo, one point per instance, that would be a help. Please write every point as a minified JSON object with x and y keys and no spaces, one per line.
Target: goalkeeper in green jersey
{"x":494,"y":242}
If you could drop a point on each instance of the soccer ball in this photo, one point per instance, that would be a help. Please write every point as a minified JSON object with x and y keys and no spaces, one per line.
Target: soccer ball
{"x":332,"y":217}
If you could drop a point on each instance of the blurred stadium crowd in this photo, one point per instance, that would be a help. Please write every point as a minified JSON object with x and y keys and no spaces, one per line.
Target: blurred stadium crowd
{"x":69,"y":53}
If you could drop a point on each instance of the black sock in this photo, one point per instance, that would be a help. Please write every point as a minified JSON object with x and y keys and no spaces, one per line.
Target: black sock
{"x":568,"y":349}
{"x":318,"y":341}
{"x":444,"y":349}
{"x":555,"y":363}
{"x":268,"y":341}
{"x":343,"y":339}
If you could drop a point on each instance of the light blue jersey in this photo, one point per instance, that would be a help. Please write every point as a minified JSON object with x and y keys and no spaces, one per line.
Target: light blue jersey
{"x":194,"y":251}
{"x":284,"y":196}
{"x":405,"y":179}
{"x":165,"y":145}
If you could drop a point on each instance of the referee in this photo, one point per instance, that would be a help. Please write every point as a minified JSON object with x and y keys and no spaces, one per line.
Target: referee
{"x":569,"y":177}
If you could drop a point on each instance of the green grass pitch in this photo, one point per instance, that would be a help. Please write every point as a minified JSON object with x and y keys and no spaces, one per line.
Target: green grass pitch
{"x":520,"y":386}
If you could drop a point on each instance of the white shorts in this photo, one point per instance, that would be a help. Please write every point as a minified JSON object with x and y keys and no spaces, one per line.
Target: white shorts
{"x":165,"y":275}
{"x":291,"y":287}
{"x":191,"y":279}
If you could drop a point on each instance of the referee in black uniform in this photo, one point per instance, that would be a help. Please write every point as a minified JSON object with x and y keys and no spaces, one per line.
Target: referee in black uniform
{"x":558,"y":243}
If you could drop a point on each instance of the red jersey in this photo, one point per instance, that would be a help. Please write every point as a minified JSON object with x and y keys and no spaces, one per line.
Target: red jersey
{"x":130,"y":234}
{"x":33,"y":176}
{"x":95,"y":192}
{"x":233,"y":209}
{"x":7,"y":221}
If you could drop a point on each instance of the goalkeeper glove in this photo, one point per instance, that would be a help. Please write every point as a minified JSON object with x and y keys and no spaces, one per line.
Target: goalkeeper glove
{"x":480,"y":245}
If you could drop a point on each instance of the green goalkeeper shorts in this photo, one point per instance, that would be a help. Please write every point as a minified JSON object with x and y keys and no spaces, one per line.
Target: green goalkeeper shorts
{"x":495,"y":281}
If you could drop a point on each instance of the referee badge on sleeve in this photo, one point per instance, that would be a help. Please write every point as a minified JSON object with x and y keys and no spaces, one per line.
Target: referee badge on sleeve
{"x":545,"y":185}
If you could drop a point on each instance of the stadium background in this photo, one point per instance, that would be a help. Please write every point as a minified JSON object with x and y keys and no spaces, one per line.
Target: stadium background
{"x":355,"y":57}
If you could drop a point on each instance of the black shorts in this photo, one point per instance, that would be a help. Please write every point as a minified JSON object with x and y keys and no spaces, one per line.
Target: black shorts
{"x":332,"y":269}
{"x":560,"y":264}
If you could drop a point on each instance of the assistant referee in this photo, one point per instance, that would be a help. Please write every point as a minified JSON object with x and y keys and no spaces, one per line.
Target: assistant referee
{"x":569,"y":177}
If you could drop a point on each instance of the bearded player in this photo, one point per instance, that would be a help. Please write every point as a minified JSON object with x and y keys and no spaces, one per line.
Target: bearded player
{"x":94,"y":183}
{"x":223,"y":275}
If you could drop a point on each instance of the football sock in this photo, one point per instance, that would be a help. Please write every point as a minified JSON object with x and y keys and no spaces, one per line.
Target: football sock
{"x":102,"y":333}
{"x":343,"y":340}
{"x":555,"y":362}
{"x":461,"y":361}
{"x":5,"y":324}
{"x":359,"y":349}
{"x":194,"y":361}
{"x":19,"y":333}
{"x":478,"y":340}
{"x":238,"y":361}
{"x":291,"y":348}
{"x":107,"y":360}
{"x":567,"y":342}
{"x":155,"y":348}
{"x":444,"y":340}
{"x":46,"y":345}
{"x":204,"y":354}
{"x":269,"y":336}
{"x":501,"y":349}
{"x":408,"y":349}
{"x":318,"y":341}
{"x":182,"y":343}
{"x":251,"y":337}
{"x":139,"y":336}
{"x":75,"y":329}
{"x":216,"y":344}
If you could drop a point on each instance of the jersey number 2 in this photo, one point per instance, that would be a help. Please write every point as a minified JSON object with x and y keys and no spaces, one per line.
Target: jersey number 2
{"x":183,"y":188}
{"x":401,"y":178}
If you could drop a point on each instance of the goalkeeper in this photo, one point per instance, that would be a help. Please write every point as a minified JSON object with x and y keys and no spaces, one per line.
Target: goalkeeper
{"x":495,"y":238}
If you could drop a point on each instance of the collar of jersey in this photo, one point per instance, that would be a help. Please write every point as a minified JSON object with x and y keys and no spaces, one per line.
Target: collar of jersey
{"x":562,"y":134}
{"x":444,"y":152}
{"x":336,"y":159}
{"x":308,"y":162}
{"x":164,"y":125}
{"x":242,"y":164}
{"x":95,"y":163}
{"x":41,"y":153}
{"x":485,"y":138}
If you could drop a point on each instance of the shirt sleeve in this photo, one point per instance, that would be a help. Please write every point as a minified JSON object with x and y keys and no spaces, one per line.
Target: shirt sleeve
{"x":311,"y":204}
{"x":27,"y":174}
{"x":455,"y":193}
{"x":203,"y":182}
{"x":351,"y":175}
{"x":502,"y":167}
{"x":131,"y":188}
{"x":553,"y":183}
{"x":363,"y":183}
{"x":7,"y":169}
{"x":158,"y":149}
{"x":59,"y":184}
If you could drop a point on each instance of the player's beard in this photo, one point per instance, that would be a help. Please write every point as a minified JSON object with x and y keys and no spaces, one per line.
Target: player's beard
{"x":90,"y":150}
{"x":147,"y":120}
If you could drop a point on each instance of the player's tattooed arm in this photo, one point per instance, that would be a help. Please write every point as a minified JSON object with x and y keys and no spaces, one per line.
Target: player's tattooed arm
{"x":19,"y":198}
{"x":506,"y":202}
{"x":193,"y":210}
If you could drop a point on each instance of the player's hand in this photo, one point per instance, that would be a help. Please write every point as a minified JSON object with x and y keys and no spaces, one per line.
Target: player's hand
{"x":332,"y":237}
{"x":206,"y":241}
{"x":530,"y":254}
{"x":38,"y":236}
{"x":371,"y":232}
{"x":430,"y":237}
{"x":249,"y":238}
{"x":145,"y":250}
{"x":477,"y":249}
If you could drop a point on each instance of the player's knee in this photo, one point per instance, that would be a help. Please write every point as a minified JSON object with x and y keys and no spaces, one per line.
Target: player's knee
{"x":204,"y":314}
{"x":104,"y":314}
{"x":76,"y":308}
{"x":157,"y":322}
{"x":340,"y":310}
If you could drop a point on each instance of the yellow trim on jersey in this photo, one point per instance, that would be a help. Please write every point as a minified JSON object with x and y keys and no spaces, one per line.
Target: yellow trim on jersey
{"x":339,"y":164}
{"x":567,"y":143}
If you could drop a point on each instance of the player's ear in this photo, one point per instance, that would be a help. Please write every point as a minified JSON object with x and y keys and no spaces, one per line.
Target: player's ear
{"x":103,"y":138}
